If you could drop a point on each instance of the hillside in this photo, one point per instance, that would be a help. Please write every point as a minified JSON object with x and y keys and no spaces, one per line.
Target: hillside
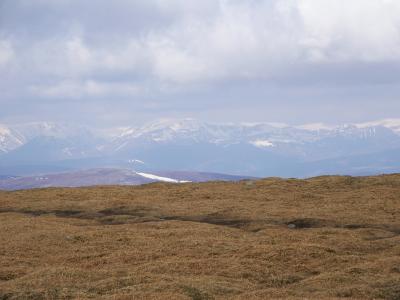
{"x":109,"y":176}
{"x":320,"y":238}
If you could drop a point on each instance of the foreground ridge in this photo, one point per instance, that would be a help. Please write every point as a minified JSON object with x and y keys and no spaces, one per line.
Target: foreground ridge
{"x":327,"y":237}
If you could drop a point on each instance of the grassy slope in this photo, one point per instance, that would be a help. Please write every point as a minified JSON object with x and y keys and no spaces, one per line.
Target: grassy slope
{"x":327,"y":237}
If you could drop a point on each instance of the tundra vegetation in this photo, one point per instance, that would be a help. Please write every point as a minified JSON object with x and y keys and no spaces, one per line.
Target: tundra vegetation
{"x":327,"y":237}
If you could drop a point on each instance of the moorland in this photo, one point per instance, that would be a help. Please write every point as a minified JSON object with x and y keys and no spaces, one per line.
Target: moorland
{"x":328,"y":237}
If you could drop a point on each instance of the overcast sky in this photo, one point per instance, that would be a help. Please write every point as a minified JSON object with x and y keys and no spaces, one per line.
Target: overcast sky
{"x":128,"y":61}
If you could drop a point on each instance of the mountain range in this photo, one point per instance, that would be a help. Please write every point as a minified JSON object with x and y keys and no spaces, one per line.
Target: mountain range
{"x":249,"y":149}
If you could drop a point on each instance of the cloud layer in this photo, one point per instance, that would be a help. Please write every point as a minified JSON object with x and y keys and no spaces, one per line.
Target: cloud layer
{"x":163,"y":50}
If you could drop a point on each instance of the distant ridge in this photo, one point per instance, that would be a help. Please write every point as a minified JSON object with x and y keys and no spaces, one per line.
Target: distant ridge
{"x":108,"y":176}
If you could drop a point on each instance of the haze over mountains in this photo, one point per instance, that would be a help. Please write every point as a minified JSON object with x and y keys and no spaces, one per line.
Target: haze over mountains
{"x":251,"y":149}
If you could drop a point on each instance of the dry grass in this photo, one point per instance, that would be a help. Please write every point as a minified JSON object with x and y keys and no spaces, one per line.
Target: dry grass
{"x":322,"y":238}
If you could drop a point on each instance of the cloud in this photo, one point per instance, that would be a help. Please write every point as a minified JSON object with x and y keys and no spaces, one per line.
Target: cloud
{"x":175,"y":52}
{"x":88,"y":88}
{"x":249,"y":39}
{"x":239,"y":39}
{"x":73,"y":57}
{"x":356,"y":31}
{"x":6,"y":52}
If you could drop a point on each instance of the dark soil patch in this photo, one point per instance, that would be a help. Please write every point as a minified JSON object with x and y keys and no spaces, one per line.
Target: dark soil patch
{"x":310,"y":223}
{"x":321,"y":223}
{"x":124,"y":215}
{"x":229,"y":222}
{"x":66,"y":213}
{"x":111,"y":216}
{"x":136,"y":212}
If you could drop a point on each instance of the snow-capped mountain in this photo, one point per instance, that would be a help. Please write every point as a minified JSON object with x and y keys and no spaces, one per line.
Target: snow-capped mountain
{"x":189,"y":131}
{"x":254,"y":149}
{"x":393,"y":124}
{"x":309,"y":142}
{"x":9,"y":139}
{"x":32,"y":130}
{"x":46,"y":142}
{"x":192,"y":130}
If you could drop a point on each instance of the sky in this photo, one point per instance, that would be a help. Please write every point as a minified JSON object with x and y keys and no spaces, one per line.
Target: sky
{"x":125,"y":62}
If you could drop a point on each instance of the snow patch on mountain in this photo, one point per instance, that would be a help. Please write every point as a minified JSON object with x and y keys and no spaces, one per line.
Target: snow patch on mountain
{"x":253,"y":124}
{"x":160,"y":178}
{"x":262,"y":144}
{"x":315,"y":127}
{"x":32,"y":130}
{"x":393,"y":124}
{"x":9,"y":139}
{"x":136,"y":161}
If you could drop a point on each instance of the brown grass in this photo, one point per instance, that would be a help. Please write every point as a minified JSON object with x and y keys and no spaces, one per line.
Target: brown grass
{"x":321,"y":238}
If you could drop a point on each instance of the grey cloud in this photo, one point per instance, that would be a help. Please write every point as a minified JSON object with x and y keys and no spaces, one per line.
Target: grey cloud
{"x":195,"y":56}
